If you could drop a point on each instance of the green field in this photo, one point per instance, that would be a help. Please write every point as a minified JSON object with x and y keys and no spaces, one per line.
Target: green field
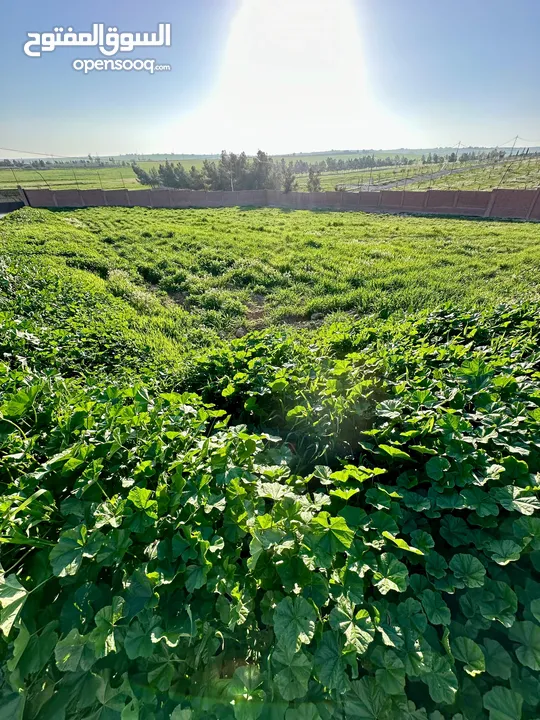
{"x":67,"y":178}
{"x":378,"y":178}
{"x":111,"y":178}
{"x":521,"y":172}
{"x":234,"y":266}
{"x":268,"y":465}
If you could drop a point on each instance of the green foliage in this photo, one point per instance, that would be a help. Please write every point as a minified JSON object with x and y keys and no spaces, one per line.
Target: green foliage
{"x":183,"y":277}
{"x":340,"y":523}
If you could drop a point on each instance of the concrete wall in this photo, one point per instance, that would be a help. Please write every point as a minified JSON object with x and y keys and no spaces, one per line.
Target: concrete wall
{"x":518,"y":204}
{"x":7,"y":207}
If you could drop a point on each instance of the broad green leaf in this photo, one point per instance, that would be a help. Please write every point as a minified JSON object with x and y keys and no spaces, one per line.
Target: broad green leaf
{"x":409,"y":615}
{"x":292,"y":680}
{"x":366,"y":700}
{"x":436,"y":565}
{"x":498,"y":661}
{"x":503,"y":551}
{"x":394,"y":452}
{"x":497,"y":601}
{"x":471,"y":654}
{"x":345,"y":494}
{"x":514,"y":498}
{"x":294,"y":623}
{"x":527,"y":634}
{"x":181,"y":714}
{"x":401,"y":543}
{"x":535,"y":609}
{"x":391,"y":677}
{"x":316,"y":589}
{"x":390,"y":574}
{"x":441,"y":681}
{"x":132,"y":712}
{"x":415,"y":501}
{"x":12,"y":598}
{"x":356,"y":626}
{"x":12,"y":706}
{"x":138,"y":642}
{"x":503,"y":704}
{"x":162,"y":676}
{"x":142,"y":500}
{"x":195,"y":577}
{"x":480,"y":501}
{"x":330,"y":664}
{"x":354,"y":584}
{"x":455,"y":531}
{"x":469,"y":699}
{"x":66,"y":557}
{"x":74,"y":653}
{"x":436,"y":609}
{"x":468,"y":570}
{"x":19,"y":646}
{"x":436,"y":467}
{"x":103,"y":637}
{"x":304,"y":711}
{"x":39,"y":650}
{"x":138,"y":594}
{"x":248,"y":676}
{"x":328,"y":536}
{"x":527,"y":527}
{"x":422,"y":540}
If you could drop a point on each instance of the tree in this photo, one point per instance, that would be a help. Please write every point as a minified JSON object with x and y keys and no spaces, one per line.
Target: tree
{"x":230,"y":172}
{"x":196,"y":179}
{"x":288,"y":178}
{"x":262,"y":169}
{"x":314,"y":180}
{"x":146,"y":178}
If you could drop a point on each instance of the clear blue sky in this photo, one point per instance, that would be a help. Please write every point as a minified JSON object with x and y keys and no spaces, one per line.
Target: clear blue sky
{"x":284,"y":75}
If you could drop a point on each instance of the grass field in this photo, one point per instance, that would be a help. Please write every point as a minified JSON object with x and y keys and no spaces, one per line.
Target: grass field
{"x":516,"y":173}
{"x":333,"y":516}
{"x":115,"y":178}
{"x":291,"y":264}
{"x":67,"y":178}
{"x":376,"y":178}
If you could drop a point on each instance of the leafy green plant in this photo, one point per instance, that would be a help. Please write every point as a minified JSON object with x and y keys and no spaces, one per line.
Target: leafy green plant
{"x":314,"y":523}
{"x":160,"y":561}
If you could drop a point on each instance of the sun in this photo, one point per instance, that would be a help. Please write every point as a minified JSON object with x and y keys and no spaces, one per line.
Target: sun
{"x":292,"y":78}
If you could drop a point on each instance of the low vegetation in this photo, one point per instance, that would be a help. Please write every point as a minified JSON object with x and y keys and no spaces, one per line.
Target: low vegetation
{"x":335,"y":516}
{"x":232,"y":268}
{"x":421,"y":170}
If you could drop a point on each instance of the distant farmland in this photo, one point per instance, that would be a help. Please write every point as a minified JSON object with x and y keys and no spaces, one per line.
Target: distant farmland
{"x":518,"y":172}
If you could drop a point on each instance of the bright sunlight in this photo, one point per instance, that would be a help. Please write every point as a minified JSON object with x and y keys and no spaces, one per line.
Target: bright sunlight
{"x":293,"y":78}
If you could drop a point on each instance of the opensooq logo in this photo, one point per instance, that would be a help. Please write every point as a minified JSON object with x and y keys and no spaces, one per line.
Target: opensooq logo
{"x":109,"y":42}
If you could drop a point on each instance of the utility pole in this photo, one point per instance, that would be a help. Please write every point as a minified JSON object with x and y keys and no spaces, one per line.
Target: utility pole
{"x":457,"y":151}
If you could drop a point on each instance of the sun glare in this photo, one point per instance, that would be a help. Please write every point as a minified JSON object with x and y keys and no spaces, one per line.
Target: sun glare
{"x":292,"y":78}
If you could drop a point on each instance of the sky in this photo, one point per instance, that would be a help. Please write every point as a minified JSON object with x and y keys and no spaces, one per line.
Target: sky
{"x":281,"y":75}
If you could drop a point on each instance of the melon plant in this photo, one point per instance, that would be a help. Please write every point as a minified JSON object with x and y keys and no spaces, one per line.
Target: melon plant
{"x":336,"y":524}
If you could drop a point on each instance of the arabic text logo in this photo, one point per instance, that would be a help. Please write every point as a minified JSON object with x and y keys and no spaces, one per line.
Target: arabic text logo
{"x":108,"y":40}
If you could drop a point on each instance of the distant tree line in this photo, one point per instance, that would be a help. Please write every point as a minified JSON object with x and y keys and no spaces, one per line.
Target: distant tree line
{"x":231,"y":172}
{"x":93,"y":162}
{"x":435,"y":159}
